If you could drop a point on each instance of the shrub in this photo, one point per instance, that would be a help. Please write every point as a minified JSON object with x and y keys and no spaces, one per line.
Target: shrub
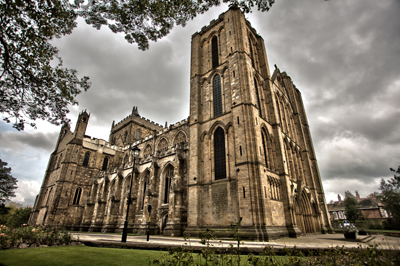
{"x":33,"y":236}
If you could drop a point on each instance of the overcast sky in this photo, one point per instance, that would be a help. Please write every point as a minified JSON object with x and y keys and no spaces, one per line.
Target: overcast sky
{"x":344,"y":57}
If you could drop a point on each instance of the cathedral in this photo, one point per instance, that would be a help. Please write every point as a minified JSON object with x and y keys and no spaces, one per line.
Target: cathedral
{"x":243,"y":156}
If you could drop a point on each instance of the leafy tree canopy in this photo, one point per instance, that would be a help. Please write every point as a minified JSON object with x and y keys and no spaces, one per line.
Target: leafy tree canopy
{"x":351,"y":207}
{"x":31,"y":87}
{"x":146,"y":20}
{"x":390,"y":195}
{"x":7,"y":184}
{"x":16,"y":215}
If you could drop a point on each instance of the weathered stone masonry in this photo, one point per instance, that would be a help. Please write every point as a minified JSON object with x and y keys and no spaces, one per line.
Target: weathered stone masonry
{"x":244,"y":152}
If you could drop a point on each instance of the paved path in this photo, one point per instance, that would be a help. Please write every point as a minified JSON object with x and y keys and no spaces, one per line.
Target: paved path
{"x":310,"y":241}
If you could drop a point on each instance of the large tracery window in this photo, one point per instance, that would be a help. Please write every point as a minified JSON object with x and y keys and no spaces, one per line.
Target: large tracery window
{"x":219,"y":154}
{"x":86,"y":159}
{"x":214,"y":51}
{"x":217,"y":96}
{"x":169,"y":173}
{"x":77,"y":196}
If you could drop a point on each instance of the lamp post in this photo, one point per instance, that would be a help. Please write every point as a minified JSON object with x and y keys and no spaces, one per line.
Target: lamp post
{"x":135,"y":152}
{"x":148,"y":224}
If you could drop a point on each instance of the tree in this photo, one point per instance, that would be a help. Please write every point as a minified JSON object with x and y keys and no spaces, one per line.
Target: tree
{"x":7,"y":183}
{"x":390,"y":196}
{"x":351,"y":208}
{"x":16,"y":216}
{"x":32,"y":88}
{"x":146,"y":20}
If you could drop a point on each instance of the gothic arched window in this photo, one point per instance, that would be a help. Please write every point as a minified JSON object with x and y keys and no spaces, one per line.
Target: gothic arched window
{"x":214,"y":51}
{"x":169,"y":173}
{"x":77,"y":196}
{"x":219,"y":154}
{"x":48,"y":197}
{"x":258,"y":98}
{"x":217,"y":96}
{"x":54,"y":163}
{"x":126,"y":136}
{"x":59,"y":160}
{"x":251,"y":53}
{"x":145,"y":180}
{"x":264,"y":139}
{"x":86,"y":159}
{"x":105,"y":164}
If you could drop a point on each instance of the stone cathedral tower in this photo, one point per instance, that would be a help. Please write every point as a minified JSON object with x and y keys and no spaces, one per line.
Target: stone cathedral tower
{"x":244,"y":154}
{"x":251,"y":155}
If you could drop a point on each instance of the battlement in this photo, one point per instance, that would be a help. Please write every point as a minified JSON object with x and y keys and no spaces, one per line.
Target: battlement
{"x":173,"y":126}
{"x":138,"y":119}
{"x":212,"y":24}
{"x":101,"y":143}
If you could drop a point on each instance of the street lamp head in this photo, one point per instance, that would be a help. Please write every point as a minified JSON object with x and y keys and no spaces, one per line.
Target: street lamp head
{"x":135,"y":151}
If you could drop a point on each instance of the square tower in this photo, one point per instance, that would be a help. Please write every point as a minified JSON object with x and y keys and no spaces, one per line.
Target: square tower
{"x":249,"y":157}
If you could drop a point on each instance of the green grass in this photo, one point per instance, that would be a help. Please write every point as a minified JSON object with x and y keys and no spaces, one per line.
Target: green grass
{"x":83,"y":255}
{"x":76,"y":255}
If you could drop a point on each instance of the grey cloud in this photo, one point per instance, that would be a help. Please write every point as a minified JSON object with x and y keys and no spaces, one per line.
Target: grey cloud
{"x":342,"y":55}
{"x":22,"y":140}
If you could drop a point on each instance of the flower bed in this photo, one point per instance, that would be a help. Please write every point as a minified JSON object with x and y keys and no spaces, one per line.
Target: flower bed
{"x":33,"y":236}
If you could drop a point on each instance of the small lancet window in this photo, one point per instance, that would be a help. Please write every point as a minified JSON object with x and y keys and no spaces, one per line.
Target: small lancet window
{"x":258,"y":97}
{"x":168,"y":176}
{"x":126,"y":136}
{"x":105,"y":164}
{"x":217,"y":98}
{"x":86,"y":159}
{"x":264,"y":148}
{"x":214,"y":51}
{"x":137,"y":135}
{"x":251,"y":53}
{"x":144,"y":194}
{"x":77,"y":196}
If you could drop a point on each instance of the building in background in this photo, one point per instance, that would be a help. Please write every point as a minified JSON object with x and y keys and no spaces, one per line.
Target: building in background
{"x":371,"y":208}
{"x":245,"y":154}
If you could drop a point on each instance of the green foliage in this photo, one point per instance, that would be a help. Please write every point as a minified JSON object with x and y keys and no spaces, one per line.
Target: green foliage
{"x":390,"y":196}
{"x":16,"y":215}
{"x":351,"y":206}
{"x":30,"y":87}
{"x":32,"y":236}
{"x":146,"y":20}
{"x":8,"y":184}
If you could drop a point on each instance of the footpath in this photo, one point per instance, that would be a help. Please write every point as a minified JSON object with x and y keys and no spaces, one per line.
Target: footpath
{"x":306,"y":244}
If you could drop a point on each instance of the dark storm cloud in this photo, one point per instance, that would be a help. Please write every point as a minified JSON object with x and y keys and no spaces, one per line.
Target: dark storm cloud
{"x":20,"y":141}
{"x":344,"y":57}
{"x":123,"y":76}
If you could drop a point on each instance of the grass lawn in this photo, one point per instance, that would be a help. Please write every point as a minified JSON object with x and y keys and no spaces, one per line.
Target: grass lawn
{"x":76,"y":255}
{"x":83,"y":255}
